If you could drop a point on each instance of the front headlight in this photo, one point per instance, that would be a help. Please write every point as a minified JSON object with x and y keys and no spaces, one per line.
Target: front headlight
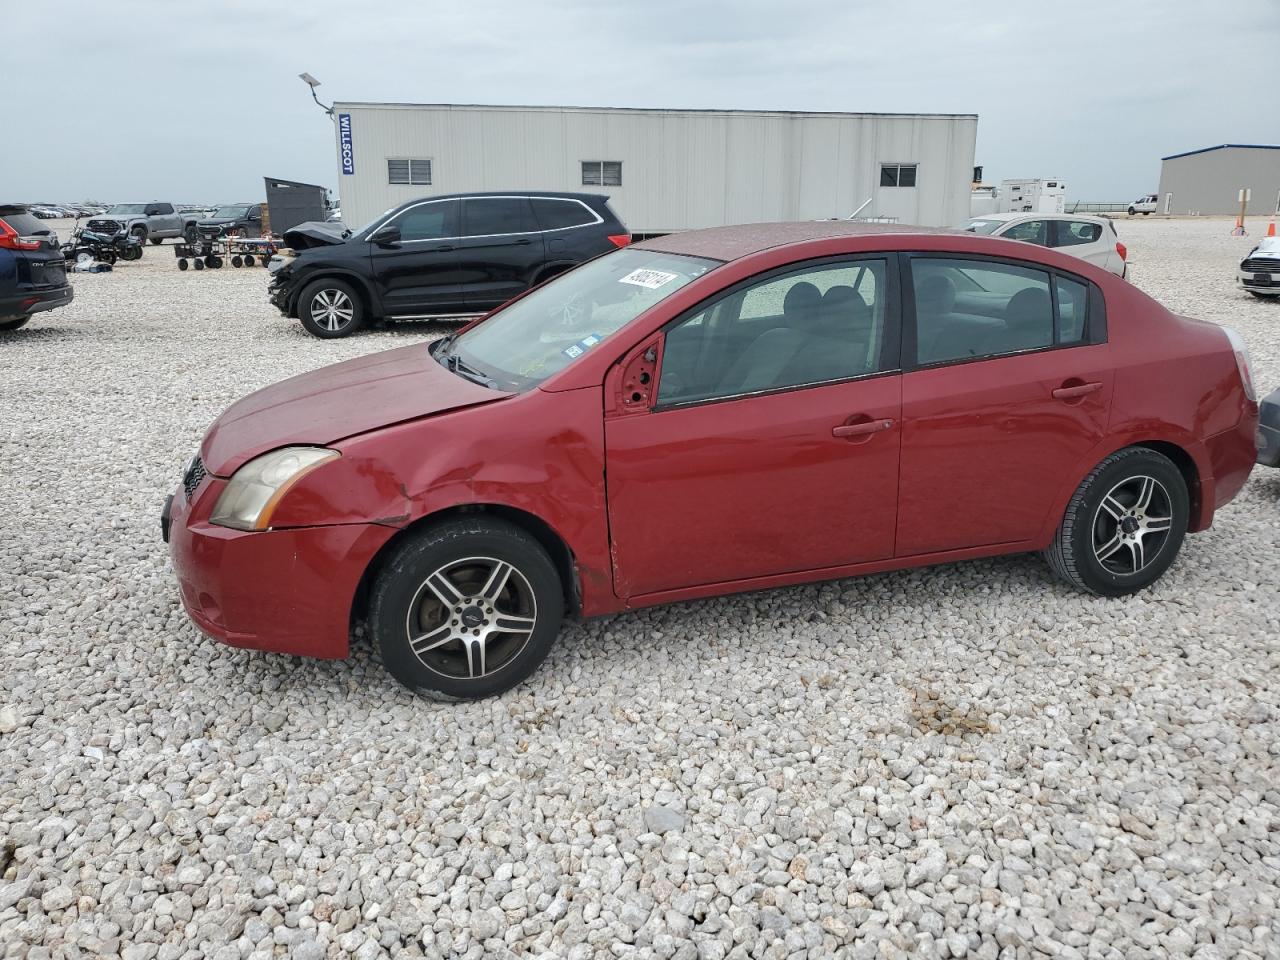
{"x":256,"y":488}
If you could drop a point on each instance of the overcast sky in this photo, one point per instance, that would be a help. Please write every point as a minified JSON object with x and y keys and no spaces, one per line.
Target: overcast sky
{"x":196,"y":102}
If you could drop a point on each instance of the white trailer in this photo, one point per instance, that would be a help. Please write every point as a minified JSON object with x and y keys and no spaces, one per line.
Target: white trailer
{"x":1033,"y":196}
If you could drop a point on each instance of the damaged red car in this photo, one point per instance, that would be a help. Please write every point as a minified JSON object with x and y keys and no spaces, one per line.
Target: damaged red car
{"x":703,"y":413}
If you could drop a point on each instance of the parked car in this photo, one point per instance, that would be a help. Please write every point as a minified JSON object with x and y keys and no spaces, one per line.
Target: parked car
{"x":1269,"y":430}
{"x":1145,"y":205}
{"x":704,"y":413}
{"x":44,"y":212}
{"x":33,"y":274}
{"x":1260,"y":270}
{"x":442,"y":256}
{"x":151,"y":221}
{"x":237,"y":219}
{"x":1092,"y":239}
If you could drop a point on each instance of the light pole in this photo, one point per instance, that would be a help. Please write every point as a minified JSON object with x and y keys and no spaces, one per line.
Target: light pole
{"x":312,"y":82}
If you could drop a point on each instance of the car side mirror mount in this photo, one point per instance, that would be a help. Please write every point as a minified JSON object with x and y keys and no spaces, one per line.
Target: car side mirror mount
{"x":385,"y":236}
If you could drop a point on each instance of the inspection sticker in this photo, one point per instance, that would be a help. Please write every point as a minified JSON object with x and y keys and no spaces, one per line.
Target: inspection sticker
{"x":649,"y":279}
{"x":582,"y":346}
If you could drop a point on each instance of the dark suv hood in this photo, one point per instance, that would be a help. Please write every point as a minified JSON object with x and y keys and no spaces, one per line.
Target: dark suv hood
{"x":336,"y":402}
{"x":315,"y":233}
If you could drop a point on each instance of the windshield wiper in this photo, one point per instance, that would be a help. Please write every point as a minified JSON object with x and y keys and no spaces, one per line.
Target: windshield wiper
{"x":455,"y":364}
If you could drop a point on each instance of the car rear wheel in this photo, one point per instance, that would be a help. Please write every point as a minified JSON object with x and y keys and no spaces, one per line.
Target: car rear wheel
{"x":466,"y":609}
{"x":156,"y":241}
{"x":1124,"y":525}
{"x":13,"y":324}
{"x":330,"y":309}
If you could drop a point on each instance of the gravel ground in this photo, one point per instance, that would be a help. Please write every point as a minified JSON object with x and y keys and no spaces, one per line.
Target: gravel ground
{"x":967,"y":761}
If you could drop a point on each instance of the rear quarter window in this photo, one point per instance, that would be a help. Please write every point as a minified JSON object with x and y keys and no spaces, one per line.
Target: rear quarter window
{"x":556,"y":214}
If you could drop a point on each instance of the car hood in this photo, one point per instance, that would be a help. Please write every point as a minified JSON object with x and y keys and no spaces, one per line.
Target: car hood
{"x":219,"y":221}
{"x":315,"y":233}
{"x":336,"y":402}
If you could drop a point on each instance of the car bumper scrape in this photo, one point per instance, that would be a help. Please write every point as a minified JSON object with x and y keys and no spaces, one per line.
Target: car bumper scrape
{"x":282,"y":591}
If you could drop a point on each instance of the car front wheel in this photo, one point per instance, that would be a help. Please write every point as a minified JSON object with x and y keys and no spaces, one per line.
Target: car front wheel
{"x":466,"y":609}
{"x":1124,"y":525}
{"x":330,"y":309}
{"x":156,"y":241}
{"x":1132,"y":211}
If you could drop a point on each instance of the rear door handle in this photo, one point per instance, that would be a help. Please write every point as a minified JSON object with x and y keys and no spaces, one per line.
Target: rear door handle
{"x":441,"y":249}
{"x":861,"y":429}
{"x":522,"y":243}
{"x":1075,"y":392}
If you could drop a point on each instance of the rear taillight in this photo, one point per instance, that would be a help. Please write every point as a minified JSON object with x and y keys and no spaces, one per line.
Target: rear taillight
{"x":1242,"y":362}
{"x":1123,"y":251}
{"x":620,"y":239}
{"x":10,"y":240}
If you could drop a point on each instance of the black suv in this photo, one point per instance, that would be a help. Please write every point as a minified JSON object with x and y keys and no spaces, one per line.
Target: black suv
{"x":33,"y":274}
{"x":444,"y":256}
{"x":235,"y":220}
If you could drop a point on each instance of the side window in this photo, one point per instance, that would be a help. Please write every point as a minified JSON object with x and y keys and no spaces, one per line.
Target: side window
{"x":1074,"y":232}
{"x":558,"y":214}
{"x":487,"y":216}
{"x":967,"y":309}
{"x":163,"y":209}
{"x":1031,"y":231}
{"x":808,"y":326}
{"x":1073,"y":303}
{"x":429,"y":221}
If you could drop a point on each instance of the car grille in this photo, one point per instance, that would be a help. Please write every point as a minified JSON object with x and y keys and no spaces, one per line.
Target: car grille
{"x":1260,"y":265}
{"x":209,"y":233}
{"x":104,"y":226}
{"x":191,"y":479}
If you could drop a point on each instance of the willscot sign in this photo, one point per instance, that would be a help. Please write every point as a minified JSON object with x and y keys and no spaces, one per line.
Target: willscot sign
{"x":344,"y":140}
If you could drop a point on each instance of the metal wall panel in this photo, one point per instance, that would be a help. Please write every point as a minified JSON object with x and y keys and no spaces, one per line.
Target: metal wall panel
{"x":1210,"y":182}
{"x":680,"y":169}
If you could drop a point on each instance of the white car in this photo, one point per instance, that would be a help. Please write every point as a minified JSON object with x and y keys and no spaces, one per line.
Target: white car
{"x":1089,"y":238}
{"x":1144,"y":205}
{"x":1260,"y":270}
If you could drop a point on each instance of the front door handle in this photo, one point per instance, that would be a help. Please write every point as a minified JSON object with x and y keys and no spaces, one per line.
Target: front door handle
{"x":861,"y":429}
{"x":1076,"y":392}
{"x":521,"y":243}
{"x":441,"y":249}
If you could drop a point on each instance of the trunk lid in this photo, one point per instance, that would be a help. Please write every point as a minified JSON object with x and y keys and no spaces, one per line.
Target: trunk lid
{"x":336,"y":402}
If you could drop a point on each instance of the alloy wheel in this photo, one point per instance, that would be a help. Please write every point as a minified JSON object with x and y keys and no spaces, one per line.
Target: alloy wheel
{"x":471,"y":617}
{"x":1132,"y":525}
{"x":332,"y":309}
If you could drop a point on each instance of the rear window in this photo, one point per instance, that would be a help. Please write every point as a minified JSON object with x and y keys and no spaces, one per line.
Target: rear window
{"x":556,"y":214}
{"x":24,"y":224}
{"x":497,"y":216}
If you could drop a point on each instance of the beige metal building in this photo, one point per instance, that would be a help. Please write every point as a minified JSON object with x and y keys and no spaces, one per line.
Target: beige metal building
{"x":1209,"y":180}
{"x":664,"y":170}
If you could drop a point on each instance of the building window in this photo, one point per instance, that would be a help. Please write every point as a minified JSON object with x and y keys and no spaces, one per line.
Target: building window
{"x":897,"y":174}
{"x":602,"y":173}
{"x":417,"y":172}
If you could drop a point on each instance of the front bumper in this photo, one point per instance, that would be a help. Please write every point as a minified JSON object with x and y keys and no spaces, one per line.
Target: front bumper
{"x":283,"y":591}
{"x":1269,"y":430}
{"x":280,"y":293}
{"x":34,"y":301}
{"x":1266,"y":284}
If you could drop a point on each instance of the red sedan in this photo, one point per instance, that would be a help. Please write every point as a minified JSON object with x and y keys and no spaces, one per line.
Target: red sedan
{"x":704,"y":413}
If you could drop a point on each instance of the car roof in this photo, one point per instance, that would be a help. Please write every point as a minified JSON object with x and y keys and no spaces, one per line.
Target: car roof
{"x":552,"y":194}
{"x":1033,"y":215}
{"x":741,"y":240}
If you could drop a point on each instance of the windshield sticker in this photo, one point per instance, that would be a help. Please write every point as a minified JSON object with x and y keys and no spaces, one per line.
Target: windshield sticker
{"x":649,"y":279}
{"x":582,"y":346}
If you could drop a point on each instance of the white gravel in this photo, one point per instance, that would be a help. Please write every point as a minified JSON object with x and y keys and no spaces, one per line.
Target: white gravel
{"x":968,"y":761}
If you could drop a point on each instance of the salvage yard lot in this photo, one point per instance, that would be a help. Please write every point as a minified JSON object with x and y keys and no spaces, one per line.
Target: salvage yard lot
{"x":938,"y":762}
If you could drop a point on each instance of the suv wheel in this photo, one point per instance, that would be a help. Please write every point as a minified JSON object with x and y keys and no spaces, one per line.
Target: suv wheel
{"x":140,"y":233}
{"x":156,"y":241}
{"x":1124,"y":525}
{"x":466,"y":609}
{"x":330,"y":309}
{"x":1132,"y":211}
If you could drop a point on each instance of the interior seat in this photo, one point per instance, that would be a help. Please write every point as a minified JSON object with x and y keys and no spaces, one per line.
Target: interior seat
{"x":761,"y":365}
{"x":1028,"y":320}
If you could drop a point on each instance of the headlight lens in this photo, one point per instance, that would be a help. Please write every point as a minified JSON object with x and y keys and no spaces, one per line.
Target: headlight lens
{"x":256,"y":488}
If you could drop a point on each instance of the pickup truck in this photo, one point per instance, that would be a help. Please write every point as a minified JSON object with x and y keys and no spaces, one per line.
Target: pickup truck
{"x":1144,"y":205}
{"x":147,"y":221}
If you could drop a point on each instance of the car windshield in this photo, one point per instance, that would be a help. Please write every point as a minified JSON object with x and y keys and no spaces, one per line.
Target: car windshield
{"x":542,"y":333}
{"x":982,"y":226}
{"x":128,"y":208}
{"x":231,"y":213}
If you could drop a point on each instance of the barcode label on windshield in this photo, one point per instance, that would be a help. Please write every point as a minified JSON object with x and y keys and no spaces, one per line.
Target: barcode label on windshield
{"x":649,"y":279}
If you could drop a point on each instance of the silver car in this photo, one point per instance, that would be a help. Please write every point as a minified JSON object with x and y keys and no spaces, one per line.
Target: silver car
{"x":1089,"y":238}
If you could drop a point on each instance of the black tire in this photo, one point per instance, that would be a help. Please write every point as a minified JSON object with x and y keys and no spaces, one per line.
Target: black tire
{"x":182,"y":263}
{"x":248,"y":259}
{"x":13,"y":323}
{"x":1094,"y":549}
{"x":236,"y":261}
{"x":108,"y":256}
{"x":1132,"y":211}
{"x":132,"y":253}
{"x":466,"y":663}
{"x":1146,"y":213}
{"x":198,"y":263}
{"x":331,"y":308}
{"x":1265,"y":296}
{"x":156,"y":241}
{"x":140,"y":233}
{"x":190,"y":233}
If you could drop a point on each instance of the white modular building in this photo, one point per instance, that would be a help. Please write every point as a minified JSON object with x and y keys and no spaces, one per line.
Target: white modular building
{"x":663,"y":170}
